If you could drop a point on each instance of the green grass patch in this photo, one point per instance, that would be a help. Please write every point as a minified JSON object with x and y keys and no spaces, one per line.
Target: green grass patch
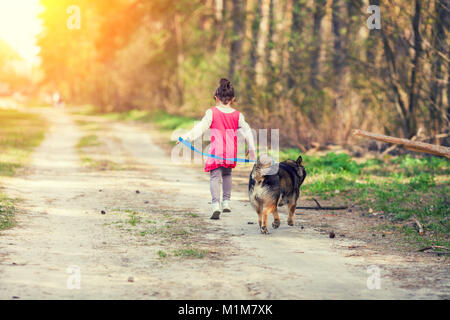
{"x":7,"y":211}
{"x":134,"y":219}
{"x":163,"y":120}
{"x":161,"y":254}
{"x":99,"y":164}
{"x":401,"y":188}
{"x":166,"y":226}
{"x":169,"y":122}
{"x":191,"y":253}
{"x":88,"y":141}
{"x":88,"y":125}
{"x":20,"y":133}
{"x":192,"y":215}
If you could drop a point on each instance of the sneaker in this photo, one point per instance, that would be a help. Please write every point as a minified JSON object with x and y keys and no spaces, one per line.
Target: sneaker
{"x":226,"y":206}
{"x":215,"y":211}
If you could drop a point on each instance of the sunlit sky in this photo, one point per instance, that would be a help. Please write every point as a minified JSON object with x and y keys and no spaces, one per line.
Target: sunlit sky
{"x":19,"y":26}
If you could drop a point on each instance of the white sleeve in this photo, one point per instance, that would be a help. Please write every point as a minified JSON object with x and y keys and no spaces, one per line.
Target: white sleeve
{"x":200,"y":127}
{"x":247,"y":132}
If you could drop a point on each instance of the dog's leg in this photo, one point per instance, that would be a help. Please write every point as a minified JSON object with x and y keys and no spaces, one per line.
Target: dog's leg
{"x":260,"y":218}
{"x":258,"y":207}
{"x":265,"y":217}
{"x":276,"y":218}
{"x":291,"y":208}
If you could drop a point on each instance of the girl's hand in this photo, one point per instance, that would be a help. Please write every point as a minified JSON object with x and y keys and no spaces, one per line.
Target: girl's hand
{"x":250,"y":154}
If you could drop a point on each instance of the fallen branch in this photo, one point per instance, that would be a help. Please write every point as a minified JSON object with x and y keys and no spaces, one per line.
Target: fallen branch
{"x":319,"y":207}
{"x":391,"y":148}
{"x":317,"y":202}
{"x":408,"y":144}
{"x":437,"y":136}
{"x":432,"y":247}
{"x":395,"y":146}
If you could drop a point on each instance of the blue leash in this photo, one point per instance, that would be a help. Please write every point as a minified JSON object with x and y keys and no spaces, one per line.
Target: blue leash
{"x":190,"y":146}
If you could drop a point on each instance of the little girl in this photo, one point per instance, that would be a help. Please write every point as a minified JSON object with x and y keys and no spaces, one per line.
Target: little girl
{"x":223,"y":121}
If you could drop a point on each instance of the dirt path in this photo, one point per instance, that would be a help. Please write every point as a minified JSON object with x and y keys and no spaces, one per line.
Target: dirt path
{"x":60,"y":226}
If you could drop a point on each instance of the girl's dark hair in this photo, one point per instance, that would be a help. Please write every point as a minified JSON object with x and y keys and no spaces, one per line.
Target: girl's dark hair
{"x":225,"y":91}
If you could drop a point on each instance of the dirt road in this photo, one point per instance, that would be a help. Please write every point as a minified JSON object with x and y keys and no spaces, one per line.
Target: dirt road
{"x":132,"y":252}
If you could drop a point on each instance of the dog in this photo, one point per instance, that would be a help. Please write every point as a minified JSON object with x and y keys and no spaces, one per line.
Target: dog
{"x":272,"y":185}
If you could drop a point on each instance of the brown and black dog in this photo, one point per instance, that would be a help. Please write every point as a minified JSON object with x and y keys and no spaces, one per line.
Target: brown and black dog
{"x":273,"y":185}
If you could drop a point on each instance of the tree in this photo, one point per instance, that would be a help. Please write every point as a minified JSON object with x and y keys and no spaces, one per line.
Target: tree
{"x":319,"y":13}
{"x":238,"y":17}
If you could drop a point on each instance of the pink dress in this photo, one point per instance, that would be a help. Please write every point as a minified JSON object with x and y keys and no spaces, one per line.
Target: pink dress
{"x":223,"y":139}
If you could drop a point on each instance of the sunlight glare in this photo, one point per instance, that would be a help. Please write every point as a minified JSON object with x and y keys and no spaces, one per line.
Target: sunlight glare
{"x":19,"y":25}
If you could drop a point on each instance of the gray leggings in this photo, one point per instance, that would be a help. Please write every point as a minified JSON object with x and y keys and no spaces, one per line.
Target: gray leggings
{"x":218,"y":175}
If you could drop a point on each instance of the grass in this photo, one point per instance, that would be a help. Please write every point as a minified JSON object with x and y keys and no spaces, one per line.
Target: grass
{"x":193,"y":215}
{"x":165,"y":227}
{"x":88,"y":125}
{"x":99,"y":164}
{"x":7,"y":212}
{"x":20,"y":133}
{"x":401,"y":188}
{"x":163,"y":120}
{"x":191,"y":253}
{"x":89,"y":141}
{"x":176,"y":234}
{"x":134,"y":219}
{"x":161,"y":254}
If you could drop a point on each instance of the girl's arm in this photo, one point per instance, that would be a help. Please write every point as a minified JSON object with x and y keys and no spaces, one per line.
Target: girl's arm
{"x":247,"y":132}
{"x":200,"y":127}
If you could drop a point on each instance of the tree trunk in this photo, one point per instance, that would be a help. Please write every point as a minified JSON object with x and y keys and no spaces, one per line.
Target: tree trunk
{"x":226,"y":16}
{"x":257,"y":12}
{"x":319,"y":13}
{"x":373,"y":39}
{"x":179,"y":58}
{"x":340,"y":34}
{"x":237,"y":37}
{"x":437,"y":112}
{"x":270,"y":44}
{"x":262,"y":44}
{"x":404,"y":84}
{"x":294,"y":55}
{"x":416,"y":68}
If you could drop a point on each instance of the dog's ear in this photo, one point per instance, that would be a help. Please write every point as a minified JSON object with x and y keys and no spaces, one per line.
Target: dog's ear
{"x":299,"y":160}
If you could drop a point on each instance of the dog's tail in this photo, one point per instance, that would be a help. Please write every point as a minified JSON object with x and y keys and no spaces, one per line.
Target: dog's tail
{"x":262,"y":167}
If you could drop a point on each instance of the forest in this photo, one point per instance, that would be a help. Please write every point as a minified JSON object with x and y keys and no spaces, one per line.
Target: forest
{"x":316,"y":69}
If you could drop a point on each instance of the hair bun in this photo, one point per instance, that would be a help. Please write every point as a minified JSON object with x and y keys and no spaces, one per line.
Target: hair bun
{"x":225,"y":91}
{"x":225,"y":83}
